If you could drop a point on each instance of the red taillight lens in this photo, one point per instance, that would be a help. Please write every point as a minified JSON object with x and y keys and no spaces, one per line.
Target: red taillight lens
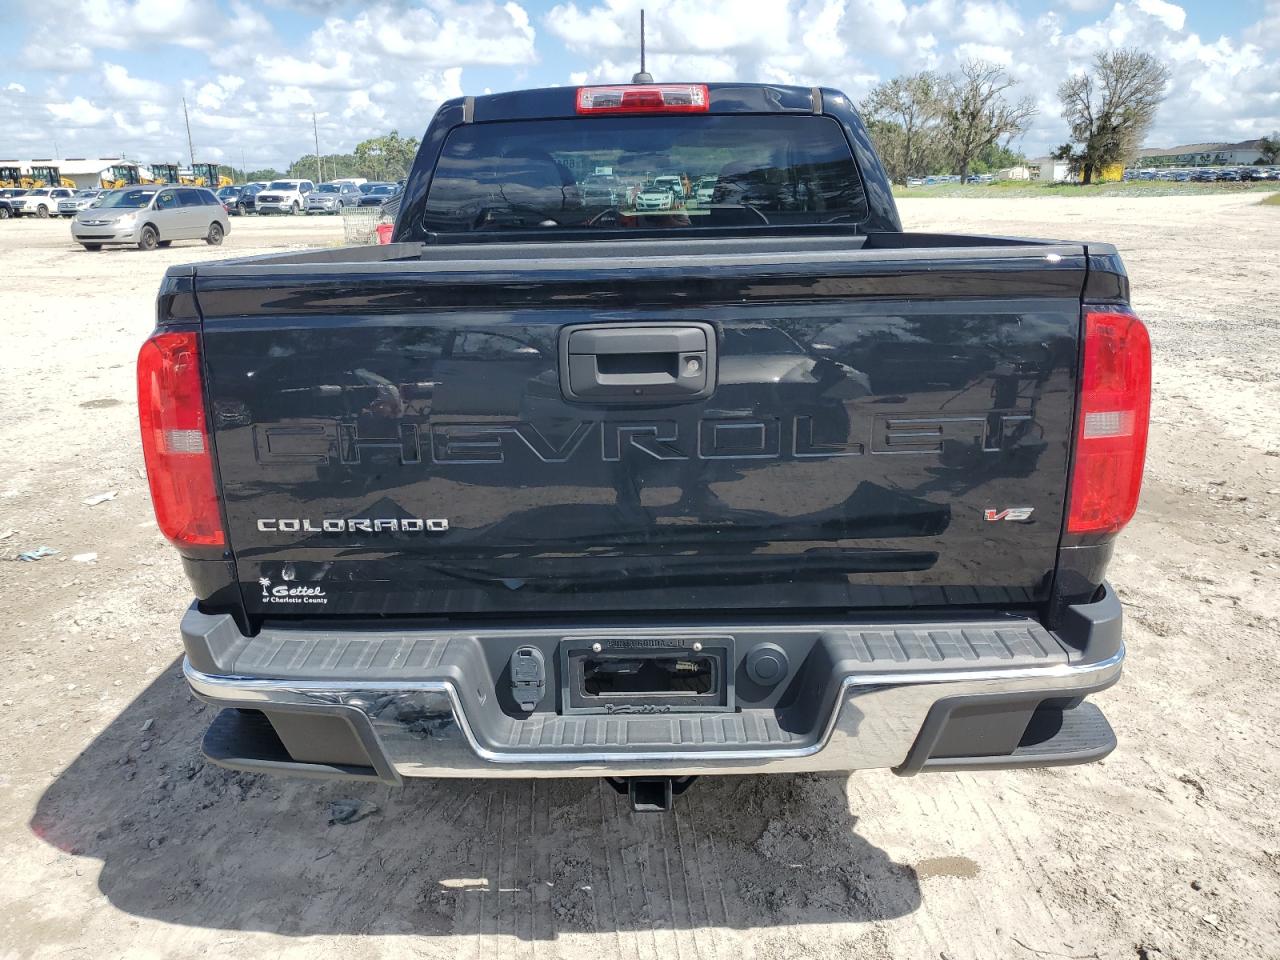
{"x":644,"y":98}
{"x":1111,"y":437}
{"x":175,"y":440}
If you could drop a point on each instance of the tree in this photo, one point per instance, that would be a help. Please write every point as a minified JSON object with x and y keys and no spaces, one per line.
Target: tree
{"x":977,"y":114}
{"x":387,"y":157}
{"x":997,"y":157}
{"x":1269,"y":148}
{"x":333,"y":165}
{"x":1110,"y":109}
{"x":904,"y":113}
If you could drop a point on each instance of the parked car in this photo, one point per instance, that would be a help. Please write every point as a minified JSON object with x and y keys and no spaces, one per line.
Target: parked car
{"x":704,"y":190}
{"x":284,"y":196}
{"x":935,"y":601}
{"x":70,"y":206}
{"x":672,"y":183}
{"x":333,"y":197}
{"x":151,"y":216}
{"x":377,"y":193}
{"x":657,"y":195}
{"x":248,"y":199}
{"x":915,"y":182}
{"x":231,"y":202}
{"x":8,"y":193}
{"x":6,"y":208}
{"x":41,"y":202}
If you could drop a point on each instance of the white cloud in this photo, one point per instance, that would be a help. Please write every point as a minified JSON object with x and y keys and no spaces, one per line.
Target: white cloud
{"x":989,"y":23}
{"x":985,"y":51}
{"x":1170,"y":14}
{"x":77,"y":112}
{"x":214,"y":94}
{"x":336,"y":71}
{"x":49,"y":49}
{"x":127,"y":24}
{"x":441,"y":34}
{"x":119,"y":82}
{"x":706,"y":39}
{"x":436,"y":86}
{"x":1266,"y":32}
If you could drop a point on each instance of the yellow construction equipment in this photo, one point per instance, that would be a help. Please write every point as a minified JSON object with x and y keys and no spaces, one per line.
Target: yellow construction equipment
{"x":121,"y":175}
{"x":10,"y":177}
{"x":206,"y":175}
{"x":48,"y":177}
{"x":165,"y":173}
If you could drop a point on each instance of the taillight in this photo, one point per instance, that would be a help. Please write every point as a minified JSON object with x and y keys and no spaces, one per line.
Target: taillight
{"x":1111,"y":436}
{"x":644,"y":98}
{"x":175,"y":440}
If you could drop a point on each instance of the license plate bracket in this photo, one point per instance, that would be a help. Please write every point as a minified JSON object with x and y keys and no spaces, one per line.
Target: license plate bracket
{"x":637,"y":675}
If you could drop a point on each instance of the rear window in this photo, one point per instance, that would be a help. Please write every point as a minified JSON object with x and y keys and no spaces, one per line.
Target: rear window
{"x":644,"y":173}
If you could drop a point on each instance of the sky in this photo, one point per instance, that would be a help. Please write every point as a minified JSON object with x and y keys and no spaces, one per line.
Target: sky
{"x":105,"y":77}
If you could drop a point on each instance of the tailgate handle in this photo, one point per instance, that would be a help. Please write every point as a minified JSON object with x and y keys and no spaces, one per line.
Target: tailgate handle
{"x":637,"y":363}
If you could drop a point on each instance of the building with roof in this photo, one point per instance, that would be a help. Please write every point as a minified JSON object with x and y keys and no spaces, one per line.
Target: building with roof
{"x":1244,"y":153}
{"x":1049,"y":169}
{"x":86,"y":172}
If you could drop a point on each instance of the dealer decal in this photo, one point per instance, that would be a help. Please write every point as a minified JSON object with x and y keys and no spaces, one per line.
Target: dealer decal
{"x":291,"y":593}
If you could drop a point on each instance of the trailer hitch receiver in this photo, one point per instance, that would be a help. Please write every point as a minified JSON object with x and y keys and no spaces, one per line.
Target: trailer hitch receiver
{"x":650,"y":794}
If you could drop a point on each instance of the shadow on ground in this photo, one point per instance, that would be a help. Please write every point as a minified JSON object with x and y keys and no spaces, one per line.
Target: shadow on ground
{"x":185,"y":842}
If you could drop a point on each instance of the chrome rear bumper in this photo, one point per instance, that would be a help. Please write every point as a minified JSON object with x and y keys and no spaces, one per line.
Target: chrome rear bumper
{"x":908,"y":697}
{"x":421,"y":730}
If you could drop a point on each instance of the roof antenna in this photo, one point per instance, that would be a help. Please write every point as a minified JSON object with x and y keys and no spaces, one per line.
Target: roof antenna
{"x":643,"y":76}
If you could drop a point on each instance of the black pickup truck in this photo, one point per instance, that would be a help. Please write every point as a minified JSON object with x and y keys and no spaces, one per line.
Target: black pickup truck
{"x":714,"y":471}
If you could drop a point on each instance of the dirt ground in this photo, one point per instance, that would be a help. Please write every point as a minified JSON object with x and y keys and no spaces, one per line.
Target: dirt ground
{"x":116,"y":840}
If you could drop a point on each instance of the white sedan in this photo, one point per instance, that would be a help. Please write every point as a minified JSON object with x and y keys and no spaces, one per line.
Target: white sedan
{"x":654,"y":198}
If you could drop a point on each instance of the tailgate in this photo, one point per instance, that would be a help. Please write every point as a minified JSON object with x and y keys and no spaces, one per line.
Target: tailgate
{"x":875,"y":429}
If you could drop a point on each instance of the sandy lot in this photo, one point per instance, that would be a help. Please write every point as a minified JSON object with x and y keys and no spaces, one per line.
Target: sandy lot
{"x":117,"y":841}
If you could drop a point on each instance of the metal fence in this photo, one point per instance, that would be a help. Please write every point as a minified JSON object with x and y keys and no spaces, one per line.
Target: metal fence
{"x":358,"y":224}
